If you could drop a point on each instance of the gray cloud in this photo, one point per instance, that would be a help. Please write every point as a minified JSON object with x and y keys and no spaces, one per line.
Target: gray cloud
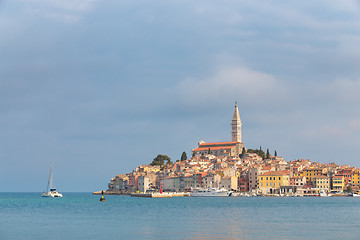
{"x":127,"y":80}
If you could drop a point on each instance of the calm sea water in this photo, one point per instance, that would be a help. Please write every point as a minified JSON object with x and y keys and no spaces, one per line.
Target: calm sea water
{"x":83,"y":216}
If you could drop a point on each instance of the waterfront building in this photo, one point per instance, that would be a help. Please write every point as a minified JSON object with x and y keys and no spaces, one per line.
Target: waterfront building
{"x":231,"y":148}
{"x":173,"y":183}
{"x":338,"y":183}
{"x":229,"y":183}
{"x":243,"y":184}
{"x":322,"y":182}
{"x":347,"y":173}
{"x":168,"y":184}
{"x":298,"y":181}
{"x":119,"y":183}
{"x":211,"y":180}
{"x":271,"y":182}
{"x":355,"y":179}
{"x":253,"y":177}
{"x":133,"y":182}
{"x":143,"y":183}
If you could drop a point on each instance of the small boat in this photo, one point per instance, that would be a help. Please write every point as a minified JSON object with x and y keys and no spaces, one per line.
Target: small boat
{"x":211,"y":192}
{"x":322,"y":193}
{"x":50,"y":191}
{"x":356,"y":194}
{"x":102,"y":199}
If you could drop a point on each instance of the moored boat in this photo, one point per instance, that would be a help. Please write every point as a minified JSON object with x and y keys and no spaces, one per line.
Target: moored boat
{"x":356,"y":194}
{"x":322,"y":193}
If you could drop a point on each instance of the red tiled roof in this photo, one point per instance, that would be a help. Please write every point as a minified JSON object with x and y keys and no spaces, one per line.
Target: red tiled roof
{"x":212,"y":148}
{"x":216,"y":143}
{"x":274,"y":173}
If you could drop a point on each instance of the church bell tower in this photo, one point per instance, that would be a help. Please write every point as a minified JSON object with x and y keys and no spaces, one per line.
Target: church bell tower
{"x":236,"y":125}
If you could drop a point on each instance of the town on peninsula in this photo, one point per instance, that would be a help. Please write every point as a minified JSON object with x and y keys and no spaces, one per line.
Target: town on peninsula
{"x":246,"y":172}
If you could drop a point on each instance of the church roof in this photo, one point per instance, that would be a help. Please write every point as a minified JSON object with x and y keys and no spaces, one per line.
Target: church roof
{"x":216,"y":143}
{"x":213,"y":148}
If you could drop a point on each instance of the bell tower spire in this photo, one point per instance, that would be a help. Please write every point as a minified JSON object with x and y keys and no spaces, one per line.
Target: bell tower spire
{"x":236,"y":125}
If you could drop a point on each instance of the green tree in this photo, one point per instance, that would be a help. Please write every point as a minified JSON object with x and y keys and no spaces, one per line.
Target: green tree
{"x":242,"y":153}
{"x":267,"y":154}
{"x":349,"y":189}
{"x":183,"y":156}
{"x":160,"y":160}
{"x":275,"y":153}
{"x":257,"y":151}
{"x":209,"y":152}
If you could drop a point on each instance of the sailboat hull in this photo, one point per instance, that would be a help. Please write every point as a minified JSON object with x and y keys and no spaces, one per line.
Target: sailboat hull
{"x":52,"y":194}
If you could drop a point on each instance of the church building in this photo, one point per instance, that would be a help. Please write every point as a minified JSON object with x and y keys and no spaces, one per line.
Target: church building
{"x":222,"y":149}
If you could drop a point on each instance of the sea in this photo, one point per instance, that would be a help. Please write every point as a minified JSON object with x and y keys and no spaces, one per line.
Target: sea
{"x":82,"y":216}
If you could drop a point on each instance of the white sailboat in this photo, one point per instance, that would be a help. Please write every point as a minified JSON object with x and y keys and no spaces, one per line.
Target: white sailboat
{"x":50,"y":191}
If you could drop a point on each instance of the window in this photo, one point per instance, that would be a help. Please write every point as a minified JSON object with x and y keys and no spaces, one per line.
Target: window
{"x":279,"y":178}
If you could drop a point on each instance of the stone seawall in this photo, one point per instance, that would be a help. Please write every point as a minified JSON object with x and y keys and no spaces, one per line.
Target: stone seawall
{"x":111,"y":193}
{"x":151,"y":195}
{"x":160,"y":195}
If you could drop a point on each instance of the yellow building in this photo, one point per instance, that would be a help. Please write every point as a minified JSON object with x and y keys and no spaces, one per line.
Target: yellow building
{"x":271,"y":182}
{"x":355,"y":179}
{"x":338,"y":183}
{"x":311,"y":173}
{"x":322,"y":182}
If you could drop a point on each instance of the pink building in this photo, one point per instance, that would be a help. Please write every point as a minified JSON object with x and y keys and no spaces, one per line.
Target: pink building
{"x":298,"y":181}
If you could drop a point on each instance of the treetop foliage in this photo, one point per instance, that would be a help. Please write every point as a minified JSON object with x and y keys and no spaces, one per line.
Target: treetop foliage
{"x":259,"y":152}
{"x":160,"y":160}
{"x":183,"y":156}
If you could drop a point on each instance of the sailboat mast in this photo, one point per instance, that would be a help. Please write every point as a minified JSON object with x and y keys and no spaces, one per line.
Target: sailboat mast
{"x":50,"y":180}
{"x":49,"y":185}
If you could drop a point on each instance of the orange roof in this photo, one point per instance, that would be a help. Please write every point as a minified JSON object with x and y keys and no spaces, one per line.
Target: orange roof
{"x":216,"y":143}
{"x":274,"y":173}
{"x":298,"y":177}
{"x":212,"y":148}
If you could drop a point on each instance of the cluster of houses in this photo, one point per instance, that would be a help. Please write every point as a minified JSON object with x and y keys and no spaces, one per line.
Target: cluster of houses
{"x":250,"y":173}
{"x":228,"y":165}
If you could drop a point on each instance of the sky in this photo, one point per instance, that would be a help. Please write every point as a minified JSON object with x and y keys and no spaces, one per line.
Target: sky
{"x":101,"y":87}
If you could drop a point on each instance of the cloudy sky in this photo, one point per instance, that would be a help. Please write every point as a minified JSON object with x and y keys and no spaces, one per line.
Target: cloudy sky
{"x":100,"y":87}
